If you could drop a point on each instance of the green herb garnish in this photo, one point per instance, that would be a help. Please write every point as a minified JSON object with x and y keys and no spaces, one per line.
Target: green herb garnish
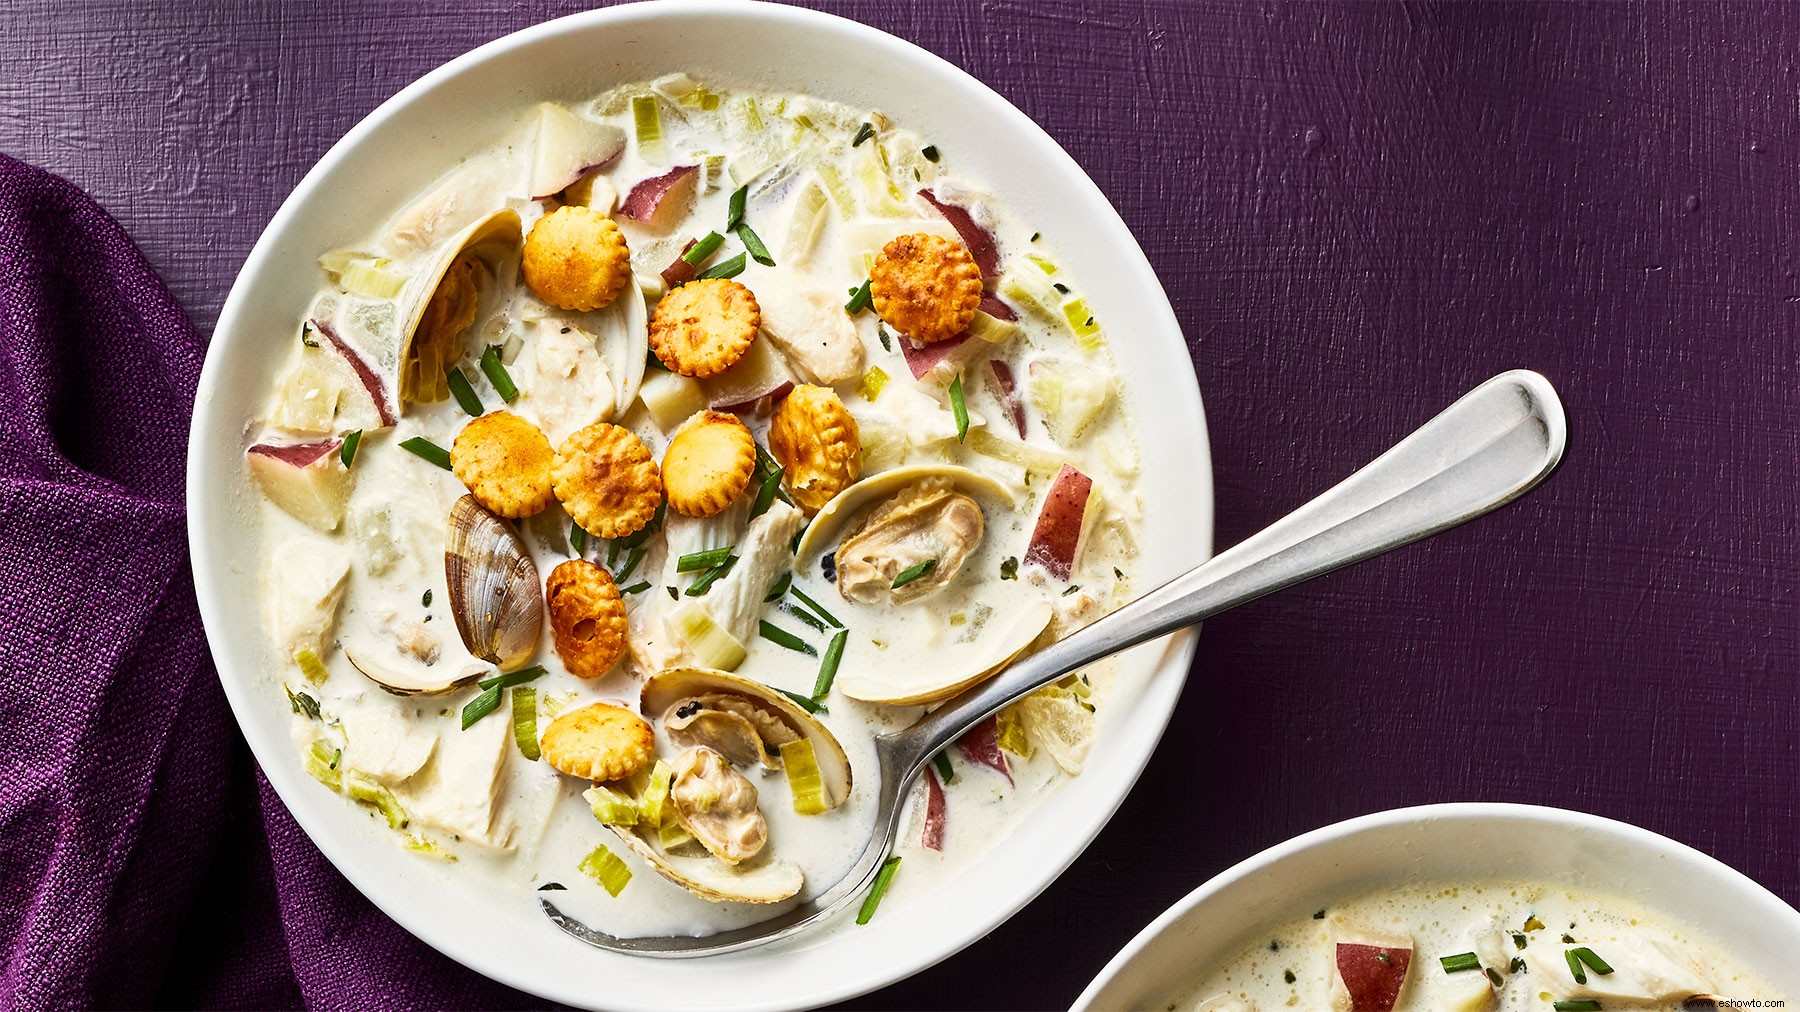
{"x":425,"y":598}
{"x":648,"y":530}
{"x":578,"y":538}
{"x":306,"y":337}
{"x":1576,"y":1005}
{"x":1495,"y":979}
{"x":482,"y":705}
{"x":879,"y":889}
{"x":347,"y":452}
{"x":519,"y":677}
{"x":778,"y":588}
{"x":463,"y":392}
{"x":1518,"y":940}
{"x":1009,"y":568}
{"x":495,"y":371}
{"x":638,"y":587}
{"x":702,"y":560}
{"x":913,"y":572}
{"x":887,"y":342}
{"x":817,"y":607}
{"x":781,"y":637}
{"x":941,"y":763}
{"x":702,"y":248}
{"x":765,"y":495}
{"x":753,"y":245}
{"x":734,"y":209}
{"x":711,"y":576}
{"x":301,"y":702}
{"x":806,"y":703}
{"x":859,"y":299}
{"x":930,"y":152}
{"x":834,"y":653}
{"x":725,"y":268}
{"x":1460,"y":962}
{"x":1516,"y":966}
{"x":959,"y":407}
{"x":1594,"y":962}
{"x":631,"y":564}
{"x":428,"y":450}
{"x":862,"y":134}
{"x":803,"y":615}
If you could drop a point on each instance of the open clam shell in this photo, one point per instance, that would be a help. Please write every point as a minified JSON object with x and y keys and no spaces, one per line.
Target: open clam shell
{"x":763,"y":879}
{"x":701,"y":690}
{"x":852,"y":501}
{"x":954,"y":667}
{"x":440,"y":302}
{"x":495,"y":593}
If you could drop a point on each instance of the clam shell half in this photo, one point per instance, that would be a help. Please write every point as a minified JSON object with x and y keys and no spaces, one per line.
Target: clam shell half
{"x":763,"y":879}
{"x":495,"y":593}
{"x":430,"y":338}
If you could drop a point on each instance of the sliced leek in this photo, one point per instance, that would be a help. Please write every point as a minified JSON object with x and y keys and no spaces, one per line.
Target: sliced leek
{"x":803,"y":776}
{"x":1081,"y":320}
{"x":524,"y":715}
{"x":322,"y":765}
{"x":1012,"y":733}
{"x":611,"y":807}
{"x":310,"y":665}
{"x":605,"y":868}
{"x":368,"y":279}
{"x":369,"y":792}
{"x":840,"y":196}
{"x":711,"y":644}
{"x":647,"y":119}
{"x":653,"y":808}
{"x":872,"y":382}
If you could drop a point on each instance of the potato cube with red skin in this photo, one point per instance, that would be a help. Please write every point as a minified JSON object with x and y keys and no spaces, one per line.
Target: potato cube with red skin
{"x":1373,"y":975}
{"x":307,"y":480}
{"x":1056,"y":540}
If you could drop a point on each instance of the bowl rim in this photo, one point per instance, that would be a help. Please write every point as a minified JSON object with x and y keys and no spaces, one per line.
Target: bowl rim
{"x":1338,"y":833}
{"x":1162,"y":684}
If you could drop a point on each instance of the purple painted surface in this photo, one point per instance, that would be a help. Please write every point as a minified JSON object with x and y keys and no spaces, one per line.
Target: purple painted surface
{"x":1359,"y":212}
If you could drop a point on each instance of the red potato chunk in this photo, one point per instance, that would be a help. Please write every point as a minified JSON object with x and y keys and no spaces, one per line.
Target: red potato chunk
{"x":1373,"y":974}
{"x":1056,"y":540}
{"x":647,"y":195}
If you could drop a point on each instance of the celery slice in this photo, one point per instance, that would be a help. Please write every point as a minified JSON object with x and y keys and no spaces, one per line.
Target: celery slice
{"x":369,"y":792}
{"x":1030,"y":292}
{"x":992,"y":329}
{"x":1012,"y":733}
{"x":673,"y":834}
{"x":711,"y":644}
{"x":368,"y":279}
{"x":524,"y":714}
{"x":647,"y":119}
{"x":1013,"y":451}
{"x":310,"y":665}
{"x":653,"y":809}
{"x":840,"y":195}
{"x":605,"y":868}
{"x":611,"y":807}
{"x":1044,"y":263}
{"x":752,"y":115}
{"x":427,"y":846}
{"x":872,"y":382}
{"x":322,"y":765}
{"x":1081,"y":320}
{"x":803,"y":777}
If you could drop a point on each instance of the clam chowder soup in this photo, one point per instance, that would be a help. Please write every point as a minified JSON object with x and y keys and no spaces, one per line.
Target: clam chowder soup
{"x":1477,"y":947}
{"x":627,"y":481}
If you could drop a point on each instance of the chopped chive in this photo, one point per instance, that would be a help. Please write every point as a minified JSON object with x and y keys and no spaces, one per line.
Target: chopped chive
{"x":549,"y":886}
{"x":1319,"y":914}
{"x":306,"y":337}
{"x":347,"y":452}
{"x":578,"y":538}
{"x":1460,"y":962}
{"x":1070,"y":589}
{"x":495,"y":370}
{"x":815,"y":606}
{"x":781,"y":637}
{"x":612,"y":554}
{"x":631,"y":564}
{"x":646,"y":532}
{"x":864,"y":133}
{"x":941,"y":763}
{"x":887,"y":341}
{"x":878,"y":890}
{"x":524,"y":715}
{"x":1518,"y":940}
{"x":930,"y":152}
{"x":482,"y":705}
{"x":734,"y":210}
{"x":1009,"y":568}
{"x":828,"y":667}
{"x":960,"y":407}
{"x":652,"y":362}
{"x":1516,"y":966}
{"x":913,"y":572}
{"x":779,"y":587}
{"x":859,"y":299}
{"x":803,"y":615}
{"x":302,"y":703}
{"x":703,"y":248}
{"x":425,"y":599}
{"x":1576,"y":970}
{"x":765,"y":496}
{"x":463,"y":392}
{"x":1576,"y":1005}
{"x":1594,"y":962}
{"x":711,"y":577}
{"x":519,"y":677}
{"x":702,"y":560}
{"x":725,"y":268}
{"x":753,"y":244}
{"x":1059,"y":286}
{"x":1495,"y":979}
{"x":807,"y":703}
{"x":638,"y":587}
{"x":428,"y":450}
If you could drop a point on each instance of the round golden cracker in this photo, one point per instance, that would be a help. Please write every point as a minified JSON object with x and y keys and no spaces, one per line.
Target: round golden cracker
{"x":605,"y":479}
{"x":815,"y":440}
{"x":575,"y":258}
{"x":599,"y":741}
{"x":925,"y":286}
{"x":587,"y":617}
{"x":703,"y":327}
{"x":505,"y":463}
{"x":708,"y":464}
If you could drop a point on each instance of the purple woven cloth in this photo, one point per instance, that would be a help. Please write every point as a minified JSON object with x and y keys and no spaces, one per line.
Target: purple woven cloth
{"x":141,"y":861}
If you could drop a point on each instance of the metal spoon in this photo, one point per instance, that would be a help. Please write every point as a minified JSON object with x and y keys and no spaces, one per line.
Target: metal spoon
{"x":1485,"y":450}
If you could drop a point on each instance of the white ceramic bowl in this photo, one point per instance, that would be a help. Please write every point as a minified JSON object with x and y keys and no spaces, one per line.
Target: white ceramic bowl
{"x":1450,"y":842}
{"x":466,"y":105}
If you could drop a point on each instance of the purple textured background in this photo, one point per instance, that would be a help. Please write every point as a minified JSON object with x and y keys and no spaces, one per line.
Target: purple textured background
{"x":1359,"y":212}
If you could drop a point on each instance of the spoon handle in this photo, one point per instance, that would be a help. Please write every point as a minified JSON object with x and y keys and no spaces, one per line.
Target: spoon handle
{"x":1487,"y":449}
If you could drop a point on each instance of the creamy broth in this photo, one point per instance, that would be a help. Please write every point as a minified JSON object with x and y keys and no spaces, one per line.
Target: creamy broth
{"x":1522,"y":932}
{"x":366,"y":575}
